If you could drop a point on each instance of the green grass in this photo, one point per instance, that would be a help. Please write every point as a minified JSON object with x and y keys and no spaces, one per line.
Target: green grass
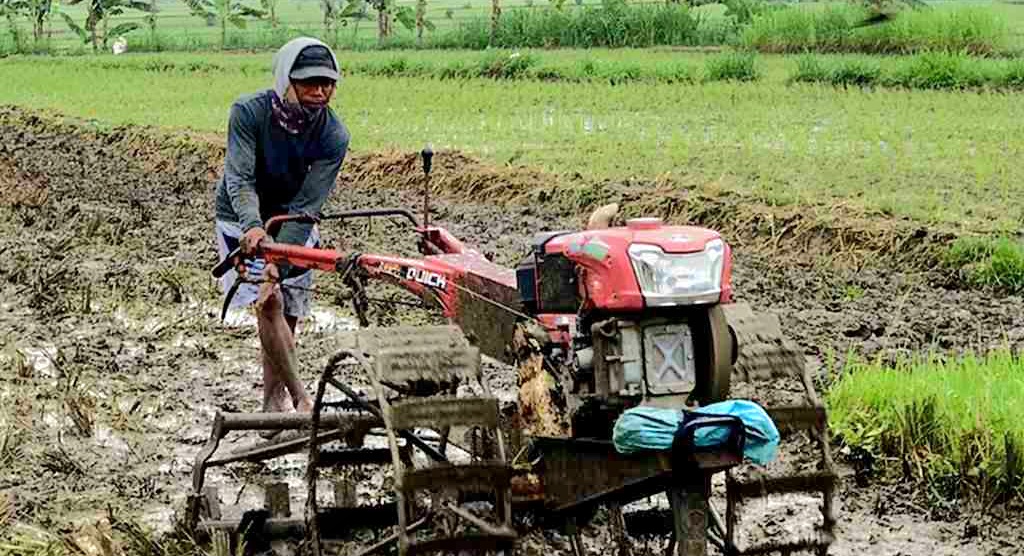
{"x":615,"y":24}
{"x":975,"y":30}
{"x":935,"y":156}
{"x":178,"y":30}
{"x":617,"y":66}
{"x":949,"y":423}
{"x":732,"y":66}
{"x":989,"y":262}
{"x":531,"y":22}
{"x":930,"y":70}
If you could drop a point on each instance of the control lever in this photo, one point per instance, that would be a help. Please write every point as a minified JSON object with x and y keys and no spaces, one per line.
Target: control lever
{"x":428,"y":159}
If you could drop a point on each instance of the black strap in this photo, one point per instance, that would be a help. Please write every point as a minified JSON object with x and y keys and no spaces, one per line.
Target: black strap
{"x":683,"y":444}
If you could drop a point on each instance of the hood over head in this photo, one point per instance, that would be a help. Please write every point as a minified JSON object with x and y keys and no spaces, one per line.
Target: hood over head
{"x":294,"y":61}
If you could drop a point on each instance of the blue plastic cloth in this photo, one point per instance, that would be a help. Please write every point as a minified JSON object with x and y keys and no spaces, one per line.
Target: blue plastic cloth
{"x":652,"y":428}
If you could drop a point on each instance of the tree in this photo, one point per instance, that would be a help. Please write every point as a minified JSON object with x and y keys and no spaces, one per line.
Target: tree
{"x":38,"y":11}
{"x":388,"y":9}
{"x":421,"y":21}
{"x":10,"y":10}
{"x":98,"y":19}
{"x":224,"y":12}
{"x":495,"y":16}
{"x":270,"y":8}
{"x":151,"y":19}
{"x":336,"y":16}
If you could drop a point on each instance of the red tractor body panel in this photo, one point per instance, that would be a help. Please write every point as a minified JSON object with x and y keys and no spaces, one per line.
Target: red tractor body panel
{"x":609,"y":282}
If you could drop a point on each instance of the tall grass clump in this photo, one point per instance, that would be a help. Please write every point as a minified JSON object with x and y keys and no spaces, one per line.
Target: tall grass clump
{"x":855,"y":72}
{"x":810,"y":69}
{"x":940,"y":70}
{"x":838,"y":29}
{"x":930,"y":70}
{"x":800,"y":30}
{"x":613,"y":24}
{"x":731,"y":66}
{"x":957,"y":422}
{"x":968,"y":30}
{"x":1012,"y":75}
{"x":988,"y":262}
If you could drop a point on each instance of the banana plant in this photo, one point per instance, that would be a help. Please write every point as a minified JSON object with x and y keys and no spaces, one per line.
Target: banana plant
{"x":10,"y":10}
{"x":337,"y":16}
{"x":38,"y":12}
{"x":96,"y":28}
{"x":225,"y":11}
{"x":388,"y":10}
{"x":421,"y":21}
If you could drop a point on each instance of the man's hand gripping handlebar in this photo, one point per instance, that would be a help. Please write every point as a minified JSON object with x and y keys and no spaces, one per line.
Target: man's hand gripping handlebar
{"x":276,"y":253}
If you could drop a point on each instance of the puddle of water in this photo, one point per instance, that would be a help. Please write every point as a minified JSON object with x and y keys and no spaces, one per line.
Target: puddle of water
{"x":326,"y":320}
{"x":240,"y":317}
{"x":40,"y":359}
{"x":320,"y":320}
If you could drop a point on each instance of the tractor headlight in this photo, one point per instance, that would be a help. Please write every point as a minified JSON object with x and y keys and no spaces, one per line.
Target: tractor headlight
{"x":678,"y":279}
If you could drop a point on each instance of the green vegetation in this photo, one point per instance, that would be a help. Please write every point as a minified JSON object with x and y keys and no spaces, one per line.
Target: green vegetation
{"x":190,"y":25}
{"x":736,"y":66}
{"x":614,"y":24}
{"x":224,"y":12}
{"x":941,"y":157}
{"x":991,"y":262}
{"x":924,"y":71}
{"x":354,"y":24}
{"x":957,"y":423}
{"x":838,"y":29}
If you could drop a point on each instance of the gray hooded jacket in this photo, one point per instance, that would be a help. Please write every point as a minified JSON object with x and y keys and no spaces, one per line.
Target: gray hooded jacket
{"x":267,"y":171}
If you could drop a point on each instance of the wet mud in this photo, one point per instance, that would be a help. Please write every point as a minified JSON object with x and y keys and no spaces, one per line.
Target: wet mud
{"x":114,"y":361}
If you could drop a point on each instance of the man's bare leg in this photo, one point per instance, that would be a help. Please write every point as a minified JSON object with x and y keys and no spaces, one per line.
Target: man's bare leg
{"x":280,"y":369}
{"x":275,"y":395}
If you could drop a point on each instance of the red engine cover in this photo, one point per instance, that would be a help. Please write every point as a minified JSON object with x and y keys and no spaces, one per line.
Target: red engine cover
{"x":608,"y":276}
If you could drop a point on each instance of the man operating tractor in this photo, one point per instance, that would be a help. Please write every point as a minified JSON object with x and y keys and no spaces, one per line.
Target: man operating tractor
{"x":285,"y":147}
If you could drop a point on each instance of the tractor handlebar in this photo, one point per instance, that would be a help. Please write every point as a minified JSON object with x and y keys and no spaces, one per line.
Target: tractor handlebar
{"x":272,"y":225}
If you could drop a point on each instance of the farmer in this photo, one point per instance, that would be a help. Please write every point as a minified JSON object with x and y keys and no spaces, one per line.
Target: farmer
{"x":285,"y":147}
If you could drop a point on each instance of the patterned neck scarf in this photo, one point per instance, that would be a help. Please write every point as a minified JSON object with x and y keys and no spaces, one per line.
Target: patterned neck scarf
{"x":292,"y":116}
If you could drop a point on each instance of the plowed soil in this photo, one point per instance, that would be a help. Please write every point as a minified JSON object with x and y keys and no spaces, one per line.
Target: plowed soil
{"x":114,"y":360}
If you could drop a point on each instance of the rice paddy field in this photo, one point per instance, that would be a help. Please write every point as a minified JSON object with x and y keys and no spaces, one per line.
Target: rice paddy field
{"x":943,"y":157}
{"x":910,"y":161}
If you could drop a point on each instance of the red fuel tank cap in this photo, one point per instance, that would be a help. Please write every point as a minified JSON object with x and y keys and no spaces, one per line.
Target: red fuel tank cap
{"x":644,"y":223}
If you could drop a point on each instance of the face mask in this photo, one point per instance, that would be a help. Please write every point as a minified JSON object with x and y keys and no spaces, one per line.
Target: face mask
{"x":289,"y":115}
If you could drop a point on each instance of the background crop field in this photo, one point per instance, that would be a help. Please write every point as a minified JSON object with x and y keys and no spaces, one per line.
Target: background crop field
{"x":177,"y":26}
{"x":175,"y":22}
{"x":941,"y":157}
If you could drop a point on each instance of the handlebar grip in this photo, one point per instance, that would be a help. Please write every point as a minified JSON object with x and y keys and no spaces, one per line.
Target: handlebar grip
{"x":428,"y":157}
{"x":227,"y":264}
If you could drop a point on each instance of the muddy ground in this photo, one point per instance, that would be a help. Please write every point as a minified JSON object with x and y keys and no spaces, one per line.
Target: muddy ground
{"x":114,"y":361}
